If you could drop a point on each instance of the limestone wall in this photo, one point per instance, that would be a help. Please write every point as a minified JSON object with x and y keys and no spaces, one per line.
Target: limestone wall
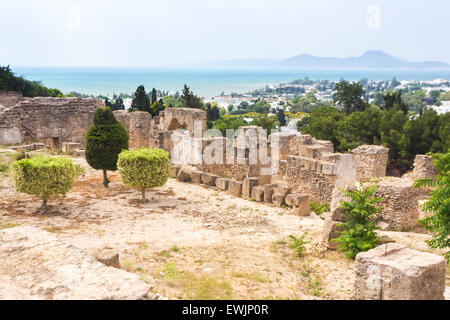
{"x":370,"y":161}
{"x":48,"y":120}
{"x":313,"y":177}
{"x":138,"y":126}
{"x":11,"y":98}
{"x":400,"y":203}
{"x":423,"y":167}
{"x":176,"y":118}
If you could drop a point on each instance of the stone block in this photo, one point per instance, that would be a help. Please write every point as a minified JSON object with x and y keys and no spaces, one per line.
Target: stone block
{"x":330,"y":232}
{"x":174,"y":170}
{"x":396,"y":272}
{"x":278,"y":199}
{"x":283,"y":189}
{"x":109,"y":259}
{"x":222,"y":183}
{"x":235,"y":188}
{"x":196,"y":177}
{"x":184,"y":175}
{"x":268,"y":192}
{"x":258,"y":193}
{"x":328,"y":168}
{"x":300,"y":203}
{"x":209,"y":179}
{"x":69,"y":147}
{"x":248,"y":185}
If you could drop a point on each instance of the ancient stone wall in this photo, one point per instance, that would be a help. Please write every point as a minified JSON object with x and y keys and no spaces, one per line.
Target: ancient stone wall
{"x":49,"y":120}
{"x":400,"y":203}
{"x":176,"y":118}
{"x":11,"y":98}
{"x":370,"y":161}
{"x":138,"y":126}
{"x":423,"y":167}
{"x":313,"y":177}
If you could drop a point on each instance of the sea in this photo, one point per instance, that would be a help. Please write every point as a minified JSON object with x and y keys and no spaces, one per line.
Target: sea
{"x":205,"y":83}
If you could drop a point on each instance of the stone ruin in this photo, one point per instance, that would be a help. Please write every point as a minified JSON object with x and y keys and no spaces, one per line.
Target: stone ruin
{"x":280,"y":164}
{"x":300,"y":168}
{"x":51,"y":121}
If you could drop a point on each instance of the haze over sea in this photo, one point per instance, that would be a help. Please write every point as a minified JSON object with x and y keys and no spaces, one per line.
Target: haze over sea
{"x":206,"y":83}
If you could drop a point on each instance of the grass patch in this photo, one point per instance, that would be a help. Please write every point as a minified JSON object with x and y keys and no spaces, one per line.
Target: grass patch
{"x":170,"y":273}
{"x":175,"y":248}
{"x":254,"y":276}
{"x":313,"y":284}
{"x":5,"y":224}
{"x":127,"y":264}
{"x":206,"y":287}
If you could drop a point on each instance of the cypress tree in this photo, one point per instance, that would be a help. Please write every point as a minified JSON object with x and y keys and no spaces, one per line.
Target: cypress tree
{"x":105,"y":140}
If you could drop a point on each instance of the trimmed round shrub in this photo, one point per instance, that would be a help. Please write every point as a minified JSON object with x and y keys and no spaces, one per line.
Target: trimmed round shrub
{"x":144,"y":168}
{"x":104,"y":141}
{"x":43,"y":176}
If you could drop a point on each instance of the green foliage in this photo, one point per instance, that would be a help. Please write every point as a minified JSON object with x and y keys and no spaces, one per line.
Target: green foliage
{"x":349,"y":96}
{"x":189,"y":100}
{"x":227,"y":122}
{"x":393,"y":99}
{"x":141,"y":101}
{"x":105,"y":140}
{"x":404,"y":136}
{"x":3,"y":166}
{"x":10,"y":82}
{"x":281,"y":117}
{"x":266,"y":122}
{"x":43,"y":176}
{"x":144,"y":168}
{"x":358,"y":233}
{"x":438,"y":204}
{"x":322,"y":124}
{"x":298,"y":244}
{"x":319,"y":208}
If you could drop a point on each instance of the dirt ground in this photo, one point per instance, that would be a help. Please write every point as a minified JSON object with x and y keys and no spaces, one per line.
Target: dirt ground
{"x":193,"y":242}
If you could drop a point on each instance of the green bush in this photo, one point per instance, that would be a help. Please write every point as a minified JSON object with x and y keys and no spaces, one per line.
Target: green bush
{"x":43,"y":176}
{"x":105,"y":140}
{"x":438,"y":204}
{"x":359,"y":229}
{"x":144,"y":168}
{"x":319,"y":208}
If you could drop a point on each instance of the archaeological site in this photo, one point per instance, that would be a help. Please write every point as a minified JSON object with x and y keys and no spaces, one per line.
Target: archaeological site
{"x":237,"y":219}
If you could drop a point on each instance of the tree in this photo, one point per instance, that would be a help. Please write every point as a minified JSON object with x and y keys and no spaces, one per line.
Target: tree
{"x":144,"y":168}
{"x":154,"y":96}
{"x":118,"y":104}
{"x":10,"y":82}
{"x":438,"y":204}
{"x":44,"y":176}
{"x":322,"y":124}
{"x":358,"y":233}
{"x":212,"y":113}
{"x":349,"y":96}
{"x":281,"y":117}
{"x":189,"y":100}
{"x":141,"y":101}
{"x":228,"y":122}
{"x":105,"y":140}
{"x":156,"y":108}
{"x":394,"y":100}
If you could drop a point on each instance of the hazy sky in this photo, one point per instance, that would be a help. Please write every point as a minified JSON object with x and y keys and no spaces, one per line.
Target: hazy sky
{"x":139,"y":33}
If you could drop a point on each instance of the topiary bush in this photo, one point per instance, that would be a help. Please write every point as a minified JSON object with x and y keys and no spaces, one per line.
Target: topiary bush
{"x":144,"y":168}
{"x":104,"y":141}
{"x":43,"y":176}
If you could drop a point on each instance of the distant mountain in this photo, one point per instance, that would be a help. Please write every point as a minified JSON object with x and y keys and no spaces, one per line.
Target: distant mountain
{"x":374,"y":59}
